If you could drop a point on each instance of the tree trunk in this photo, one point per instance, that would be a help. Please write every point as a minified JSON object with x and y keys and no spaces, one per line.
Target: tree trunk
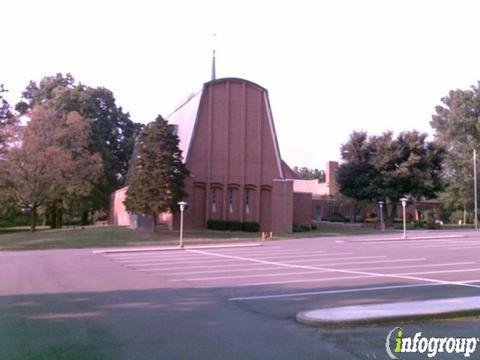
{"x":154,"y":221}
{"x":84,"y":217}
{"x":391,"y":212}
{"x":60,"y":217}
{"x":33,"y":218}
{"x":52,"y":210}
{"x":353,"y":211}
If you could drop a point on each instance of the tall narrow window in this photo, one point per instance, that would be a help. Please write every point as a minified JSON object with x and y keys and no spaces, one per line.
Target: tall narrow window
{"x":214,"y":207}
{"x":247,"y":202}
{"x":230,"y":200}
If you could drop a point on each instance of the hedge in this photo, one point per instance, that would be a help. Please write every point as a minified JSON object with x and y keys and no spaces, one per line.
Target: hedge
{"x":223,"y":225}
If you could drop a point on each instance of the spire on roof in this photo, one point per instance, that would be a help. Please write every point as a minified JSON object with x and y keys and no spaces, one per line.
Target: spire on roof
{"x":214,"y":75}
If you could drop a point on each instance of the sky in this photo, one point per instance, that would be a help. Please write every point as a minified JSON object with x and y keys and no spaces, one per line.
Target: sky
{"x":331,"y":67}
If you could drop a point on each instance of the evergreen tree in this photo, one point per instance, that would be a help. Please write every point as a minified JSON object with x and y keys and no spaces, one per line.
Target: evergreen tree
{"x":7,"y":120}
{"x":158,"y":173}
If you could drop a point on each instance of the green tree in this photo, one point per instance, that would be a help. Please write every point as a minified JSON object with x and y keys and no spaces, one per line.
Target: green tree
{"x":387,"y":168}
{"x":457,"y":127}
{"x":54,"y":162}
{"x":158,"y":174}
{"x":113,"y":132}
{"x":305,"y":173}
{"x":7,"y":120}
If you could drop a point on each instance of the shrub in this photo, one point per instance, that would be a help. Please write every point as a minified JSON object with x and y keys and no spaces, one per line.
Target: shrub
{"x":371,"y":220}
{"x":420,"y":224}
{"x":234,"y":225}
{"x":300,"y":228}
{"x":337,"y":217}
{"x":314,"y":226}
{"x":223,"y":225}
{"x":217,"y":225}
{"x":251,"y":226}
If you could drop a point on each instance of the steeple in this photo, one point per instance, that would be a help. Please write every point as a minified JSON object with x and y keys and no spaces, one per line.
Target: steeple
{"x":214,"y":38}
{"x":214,"y":76}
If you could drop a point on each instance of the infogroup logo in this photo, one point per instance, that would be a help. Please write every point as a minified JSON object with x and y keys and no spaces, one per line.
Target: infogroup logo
{"x":397,"y":343}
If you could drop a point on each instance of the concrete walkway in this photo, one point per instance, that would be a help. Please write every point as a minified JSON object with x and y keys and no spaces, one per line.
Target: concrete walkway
{"x":362,"y":314}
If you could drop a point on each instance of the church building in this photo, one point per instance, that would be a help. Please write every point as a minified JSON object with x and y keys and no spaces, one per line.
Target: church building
{"x":229,"y":144}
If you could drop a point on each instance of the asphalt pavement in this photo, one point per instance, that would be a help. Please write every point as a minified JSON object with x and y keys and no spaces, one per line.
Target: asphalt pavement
{"x":229,"y":303}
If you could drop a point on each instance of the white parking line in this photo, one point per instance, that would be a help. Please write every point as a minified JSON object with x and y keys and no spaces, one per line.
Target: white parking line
{"x":415,"y":266}
{"x":439,"y":272}
{"x":329,"y":292}
{"x":268,"y":268}
{"x":464,"y":247}
{"x":299,"y":281}
{"x":388,"y":261}
{"x":209,"y":260}
{"x":243,"y":264}
{"x":232,"y":265}
{"x":230,"y":270}
{"x":184,"y":256}
{"x":344,"y":291}
{"x":351,"y":272}
{"x":248,"y":276}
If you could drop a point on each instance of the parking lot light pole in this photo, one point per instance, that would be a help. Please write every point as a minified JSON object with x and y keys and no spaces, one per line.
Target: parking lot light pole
{"x":475,"y":188}
{"x":404,"y":205}
{"x":382,"y":226}
{"x":182,"y":205}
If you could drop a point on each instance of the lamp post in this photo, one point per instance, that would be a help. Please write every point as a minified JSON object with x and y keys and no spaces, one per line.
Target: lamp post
{"x":475,"y":188}
{"x":182,"y":205}
{"x":382,"y":226}
{"x":404,"y":205}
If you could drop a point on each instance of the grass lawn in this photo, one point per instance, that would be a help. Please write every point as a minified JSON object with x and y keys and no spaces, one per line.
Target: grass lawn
{"x":111,"y":236}
{"x":108,"y":236}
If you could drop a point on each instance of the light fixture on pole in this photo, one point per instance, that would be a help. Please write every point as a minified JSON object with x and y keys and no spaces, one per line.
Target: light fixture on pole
{"x":404,"y":205}
{"x":382,"y":226}
{"x":182,"y":205}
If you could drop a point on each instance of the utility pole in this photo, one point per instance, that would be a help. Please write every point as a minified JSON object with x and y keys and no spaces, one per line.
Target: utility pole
{"x":475,"y":187}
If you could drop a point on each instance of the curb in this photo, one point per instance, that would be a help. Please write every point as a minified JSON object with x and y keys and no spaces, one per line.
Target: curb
{"x":172,"y":248}
{"x":411,"y":238}
{"x":387,"y":312}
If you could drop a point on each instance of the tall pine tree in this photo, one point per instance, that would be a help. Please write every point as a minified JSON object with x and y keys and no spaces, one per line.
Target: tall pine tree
{"x":158,"y":174}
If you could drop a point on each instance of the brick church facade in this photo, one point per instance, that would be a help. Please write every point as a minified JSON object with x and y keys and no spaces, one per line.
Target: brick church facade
{"x":229,"y":144}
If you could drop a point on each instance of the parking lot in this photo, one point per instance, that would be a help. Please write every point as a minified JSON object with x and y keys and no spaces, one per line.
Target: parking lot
{"x":236,"y":302}
{"x":313,"y":268}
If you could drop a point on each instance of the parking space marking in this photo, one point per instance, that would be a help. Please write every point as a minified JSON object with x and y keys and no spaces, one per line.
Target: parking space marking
{"x":248,"y":276}
{"x":329,"y":292}
{"x":242,"y":265}
{"x":439,"y":272}
{"x":184,"y":264}
{"x":388,"y":261}
{"x":464,"y":247}
{"x":344,"y":271}
{"x":297,"y":281}
{"x":186,"y":256}
{"x":416,"y":266}
{"x":345,"y":291}
{"x":363,"y":268}
{"x":202,"y":260}
{"x":267,"y":268}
